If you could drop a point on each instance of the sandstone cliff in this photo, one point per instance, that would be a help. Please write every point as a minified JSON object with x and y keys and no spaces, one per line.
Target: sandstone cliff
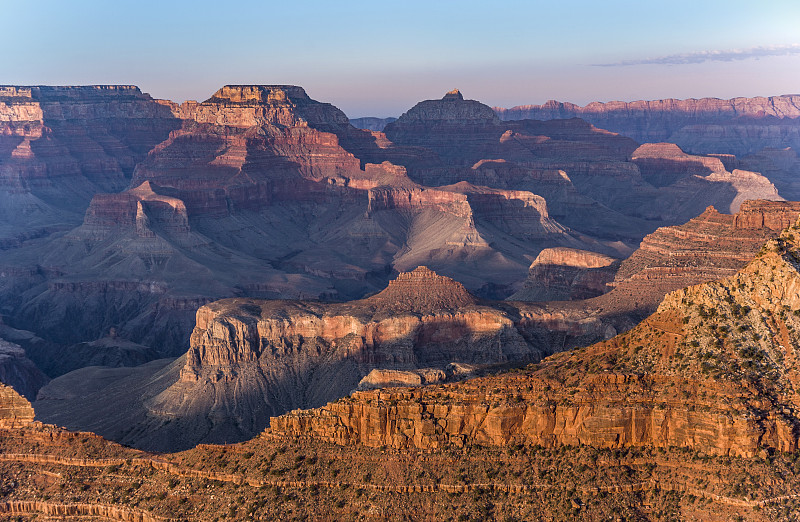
{"x":713,"y":370}
{"x":14,"y":409}
{"x":47,"y":472}
{"x":262,"y":192}
{"x":709,"y":247}
{"x":258,"y":195}
{"x":251,"y":359}
{"x":594,"y":181}
{"x":564,"y":274}
{"x":61,"y":145}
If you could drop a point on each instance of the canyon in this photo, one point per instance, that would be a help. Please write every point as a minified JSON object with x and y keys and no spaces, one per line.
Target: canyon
{"x":558,"y":311}
{"x":251,"y":359}
{"x":681,"y":416}
{"x":261,"y":191}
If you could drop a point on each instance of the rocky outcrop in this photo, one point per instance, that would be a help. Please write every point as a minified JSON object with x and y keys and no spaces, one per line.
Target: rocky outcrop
{"x":451,"y":108}
{"x":385,"y":378}
{"x":53,"y":509}
{"x":709,"y":247}
{"x":418,"y":198}
{"x":677,"y":379}
{"x":251,"y":359}
{"x":422,"y":291}
{"x":707,"y":125}
{"x":61,"y":145}
{"x":459,"y":132}
{"x":683,"y":176}
{"x":594,"y":180}
{"x":260,"y":105}
{"x":15,"y":411}
{"x":780,"y":165}
{"x":262,"y":192}
{"x":138,"y":210}
{"x":564,"y":274}
{"x":262,"y":200}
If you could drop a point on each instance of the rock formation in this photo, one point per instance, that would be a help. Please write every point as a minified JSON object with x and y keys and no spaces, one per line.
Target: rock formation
{"x":18,"y":371}
{"x":684,"y":177}
{"x":709,"y":247}
{"x":251,"y":359}
{"x":564,"y":274}
{"x":780,"y":165}
{"x":593,"y":180}
{"x":47,"y":472}
{"x":61,"y":145}
{"x":14,"y":409}
{"x":262,"y":192}
{"x":713,"y":370}
{"x":708,"y":125}
{"x":256,"y":195}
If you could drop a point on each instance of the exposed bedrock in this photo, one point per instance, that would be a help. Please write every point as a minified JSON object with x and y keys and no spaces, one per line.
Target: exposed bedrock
{"x":251,"y":359}
{"x":565,"y":274}
{"x":676,"y":380}
{"x":61,"y":145}
{"x":15,"y":411}
{"x":707,"y":125}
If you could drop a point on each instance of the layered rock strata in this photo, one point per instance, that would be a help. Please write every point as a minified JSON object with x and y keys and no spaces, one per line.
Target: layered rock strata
{"x":252,"y":359}
{"x":594,"y":180}
{"x":15,"y":411}
{"x":61,"y":145}
{"x":738,"y":126}
{"x":565,"y":274}
{"x":685,"y":377}
{"x":711,"y":246}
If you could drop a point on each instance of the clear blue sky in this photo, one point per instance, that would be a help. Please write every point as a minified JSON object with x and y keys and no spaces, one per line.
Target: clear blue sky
{"x":379,"y":57}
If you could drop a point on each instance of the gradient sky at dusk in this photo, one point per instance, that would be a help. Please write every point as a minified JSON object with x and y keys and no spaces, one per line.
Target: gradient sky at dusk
{"x":380,"y":58}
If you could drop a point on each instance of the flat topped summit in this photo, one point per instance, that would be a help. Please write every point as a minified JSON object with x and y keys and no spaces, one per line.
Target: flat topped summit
{"x":255,"y":105}
{"x":260,"y":95}
{"x":52,"y":93}
{"x":422,"y":290}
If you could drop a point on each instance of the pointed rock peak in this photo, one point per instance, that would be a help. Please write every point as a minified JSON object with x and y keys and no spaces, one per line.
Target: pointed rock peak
{"x":260,"y":95}
{"x":422,"y":290}
{"x":455,"y":94}
{"x":15,"y":410}
{"x":147,"y":188}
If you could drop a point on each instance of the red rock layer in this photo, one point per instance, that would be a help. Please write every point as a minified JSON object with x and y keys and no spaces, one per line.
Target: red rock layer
{"x":676,"y":380}
{"x":422,"y":290}
{"x":564,"y":274}
{"x":709,"y":247}
{"x":703,"y":125}
{"x":15,"y":411}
